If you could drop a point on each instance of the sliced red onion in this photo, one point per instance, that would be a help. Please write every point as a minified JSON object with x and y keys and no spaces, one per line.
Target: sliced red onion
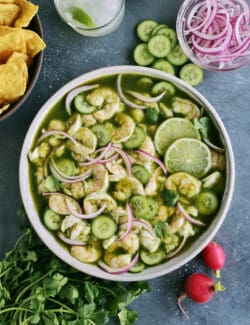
{"x":97,"y":160}
{"x":124,"y":98}
{"x":47,"y":134}
{"x":126,"y":159}
{"x":121,"y":270}
{"x":188,"y":217}
{"x":156,"y":160}
{"x":129,"y":223}
{"x":109,"y":160}
{"x":71,"y":95}
{"x":146,"y":99}
{"x":71,"y":241}
{"x":85,"y":216}
{"x":178,"y":249}
{"x":142,"y":224}
{"x":213,"y":146}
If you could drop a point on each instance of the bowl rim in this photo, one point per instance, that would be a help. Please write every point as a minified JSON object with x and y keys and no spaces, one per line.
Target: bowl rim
{"x":49,"y":240}
{"x":32,"y":81}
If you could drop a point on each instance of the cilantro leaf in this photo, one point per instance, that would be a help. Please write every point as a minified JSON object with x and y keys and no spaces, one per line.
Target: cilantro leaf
{"x":127,"y":317}
{"x":160,"y":229}
{"x":169,"y":198}
{"x":203,"y":125}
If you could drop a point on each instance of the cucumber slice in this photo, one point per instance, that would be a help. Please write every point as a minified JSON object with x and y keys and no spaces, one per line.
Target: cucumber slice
{"x":153,"y":208}
{"x":152,"y":258}
{"x":207,"y":203}
{"x":164,"y":66}
{"x":102,"y":133}
{"x":139,"y":205}
{"x":139,"y":266}
{"x":67,"y":166}
{"x":157,"y":28}
{"x":52,"y":220}
{"x":141,"y":173}
{"x":103,"y":227}
{"x":177,"y":56}
{"x":159,"y":46}
{"x":161,"y":86}
{"x":145,"y":28}
{"x":82,"y":106}
{"x":145,"y":82}
{"x":137,"y":138}
{"x":152,"y":115}
{"x":170,"y":33}
{"x":142,"y":55}
{"x":191,"y":74}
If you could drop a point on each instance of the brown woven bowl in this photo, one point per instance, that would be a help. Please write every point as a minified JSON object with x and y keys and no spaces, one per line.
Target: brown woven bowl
{"x":34,"y":71}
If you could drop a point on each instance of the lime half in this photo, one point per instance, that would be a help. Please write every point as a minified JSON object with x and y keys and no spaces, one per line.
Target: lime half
{"x":188,"y":155}
{"x":171,"y":130}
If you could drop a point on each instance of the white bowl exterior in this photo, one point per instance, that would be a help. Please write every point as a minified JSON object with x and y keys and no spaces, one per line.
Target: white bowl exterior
{"x":49,"y":239}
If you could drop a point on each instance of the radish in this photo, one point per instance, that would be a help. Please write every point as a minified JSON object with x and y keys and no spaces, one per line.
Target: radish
{"x":214,"y":257}
{"x":200,"y":288}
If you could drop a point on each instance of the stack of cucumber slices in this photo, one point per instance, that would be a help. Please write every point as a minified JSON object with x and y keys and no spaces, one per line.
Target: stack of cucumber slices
{"x":161,"y":51}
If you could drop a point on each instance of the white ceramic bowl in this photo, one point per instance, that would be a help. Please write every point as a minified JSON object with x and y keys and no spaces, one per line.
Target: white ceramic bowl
{"x":48,"y":238}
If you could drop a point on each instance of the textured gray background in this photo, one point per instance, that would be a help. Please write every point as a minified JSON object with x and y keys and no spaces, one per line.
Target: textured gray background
{"x":69,"y":55}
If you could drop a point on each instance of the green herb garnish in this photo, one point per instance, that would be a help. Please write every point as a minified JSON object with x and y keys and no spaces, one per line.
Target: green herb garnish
{"x":169,"y":198}
{"x":203,"y":125}
{"x":82,"y":17}
{"x":160,"y":229}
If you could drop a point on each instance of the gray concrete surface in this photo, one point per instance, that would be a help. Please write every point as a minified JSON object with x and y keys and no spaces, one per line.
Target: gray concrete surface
{"x":68,"y":55}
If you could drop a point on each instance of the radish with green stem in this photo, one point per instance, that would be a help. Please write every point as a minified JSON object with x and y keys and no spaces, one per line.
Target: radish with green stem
{"x":214,"y":257}
{"x":200,"y":288}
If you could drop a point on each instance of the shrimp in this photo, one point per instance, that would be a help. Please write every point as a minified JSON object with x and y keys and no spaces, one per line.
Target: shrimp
{"x":213,"y":181}
{"x":74,"y":124}
{"x":100,"y":180}
{"x":58,"y":203}
{"x":151,"y":243}
{"x":185,"y":107}
{"x":120,"y":214}
{"x":218,"y":160}
{"x":75,"y":228}
{"x":120,"y":253}
{"x":87,"y":254}
{"x":88,"y":120}
{"x":56,"y":125}
{"x":126,"y":187}
{"x":125,"y":128}
{"x":171,"y":242}
{"x":180,"y":225}
{"x":94,"y":201}
{"x":76,"y":190}
{"x":184,"y":184}
{"x":87,"y":142}
{"x":106,"y":100}
{"x":155,"y":183}
{"x":115,"y":168}
{"x":163,"y":213}
{"x":40,"y":153}
{"x":137,"y":158}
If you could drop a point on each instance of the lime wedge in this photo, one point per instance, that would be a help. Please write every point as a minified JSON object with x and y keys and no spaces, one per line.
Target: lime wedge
{"x":188,"y":155}
{"x":82,"y":17}
{"x":171,"y":130}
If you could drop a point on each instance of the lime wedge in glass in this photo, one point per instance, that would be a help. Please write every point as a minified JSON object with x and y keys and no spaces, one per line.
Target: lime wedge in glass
{"x":82,"y":17}
{"x":171,"y":130}
{"x":188,"y":155}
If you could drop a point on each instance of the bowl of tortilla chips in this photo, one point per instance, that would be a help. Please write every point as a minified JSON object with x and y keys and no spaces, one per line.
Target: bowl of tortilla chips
{"x":21,"y":53}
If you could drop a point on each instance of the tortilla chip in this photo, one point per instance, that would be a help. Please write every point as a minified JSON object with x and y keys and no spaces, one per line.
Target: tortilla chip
{"x":4,"y":108}
{"x":26,"y":58}
{"x":34,"y":43}
{"x":13,"y":80}
{"x":11,"y":40}
{"x":8,"y":14}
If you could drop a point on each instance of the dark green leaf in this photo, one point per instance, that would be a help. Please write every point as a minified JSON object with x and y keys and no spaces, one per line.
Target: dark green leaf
{"x":160,"y":229}
{"x":70,"y":293}
{"x":204,"y":125}
{"x":169,"y":198}
{"x":91,"y":291}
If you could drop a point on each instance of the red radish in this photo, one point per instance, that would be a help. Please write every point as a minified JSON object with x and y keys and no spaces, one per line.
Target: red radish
{"x":200,"y":288}
{"x":214,"y":257}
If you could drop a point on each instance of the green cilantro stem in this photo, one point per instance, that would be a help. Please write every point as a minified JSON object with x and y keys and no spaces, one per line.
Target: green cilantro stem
{"x":6,"y":310}
{"x":63,"y":305}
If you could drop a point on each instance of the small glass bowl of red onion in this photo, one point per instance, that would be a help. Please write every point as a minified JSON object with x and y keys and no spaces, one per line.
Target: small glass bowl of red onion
{"x":215,"y":34}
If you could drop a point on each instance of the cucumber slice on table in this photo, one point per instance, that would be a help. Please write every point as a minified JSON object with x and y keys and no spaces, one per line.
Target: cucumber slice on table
{"x":153,"y":208}
{"x":161,"y":86}
{"x":191,"y":74}
{"x":102,"y":133}
{"x":139,"y":205}
{"x":137,"y":138}
{"x":177,"y":56}
{"x":157,"y":28}
{"x":159,"y":46}
{"x":164,"y":65}
{"x":152,"y":258}
{"x":67,"y":166}
{"x":145,"y":28}
{"x":142,"y":55}
{"x":170,"y":33}
{"x":207,"y":203}
{"x":52,"y":220}
{"x":103,"y":227}
{"x":141,"y":173}
{"x":82,"y":106}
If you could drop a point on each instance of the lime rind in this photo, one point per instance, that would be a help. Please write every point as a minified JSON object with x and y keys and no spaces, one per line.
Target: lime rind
{"x":82,"y":17}
{"x":171,"y":130}
{"x":188,"y":155}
